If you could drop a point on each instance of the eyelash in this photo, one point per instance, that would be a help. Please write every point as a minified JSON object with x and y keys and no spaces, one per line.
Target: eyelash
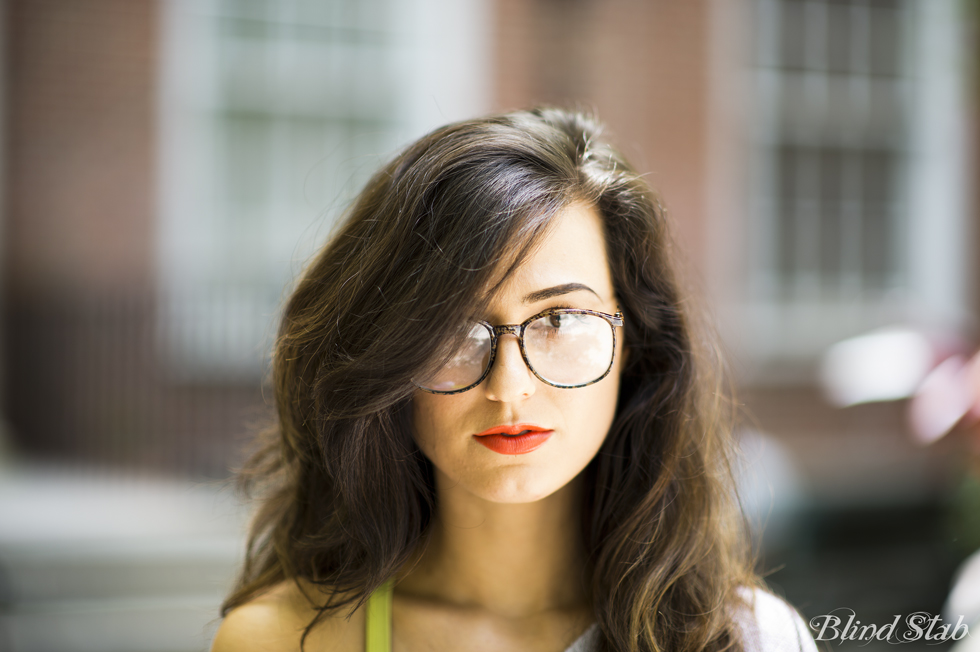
{"x":561,"y":306}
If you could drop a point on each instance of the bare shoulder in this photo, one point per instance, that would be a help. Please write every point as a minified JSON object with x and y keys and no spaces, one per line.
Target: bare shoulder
{"x":275,"y":621}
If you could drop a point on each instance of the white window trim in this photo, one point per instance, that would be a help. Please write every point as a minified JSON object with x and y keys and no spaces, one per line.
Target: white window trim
{"x":215,"y":332}
{"x":776,"y":343}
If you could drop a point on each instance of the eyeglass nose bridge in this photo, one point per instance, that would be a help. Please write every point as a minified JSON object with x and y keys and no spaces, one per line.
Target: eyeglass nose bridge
{"x":517,"y":331}
{"x":513,"y":329}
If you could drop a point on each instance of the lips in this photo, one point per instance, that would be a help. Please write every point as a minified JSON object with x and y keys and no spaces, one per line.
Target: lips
{"x":514,"y":439}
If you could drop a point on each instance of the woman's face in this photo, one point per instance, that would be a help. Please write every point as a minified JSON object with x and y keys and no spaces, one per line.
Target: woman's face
{"x":445,"y":425}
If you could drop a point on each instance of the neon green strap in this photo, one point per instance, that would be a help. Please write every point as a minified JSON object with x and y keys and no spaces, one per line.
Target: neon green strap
{"x":377,"y":619}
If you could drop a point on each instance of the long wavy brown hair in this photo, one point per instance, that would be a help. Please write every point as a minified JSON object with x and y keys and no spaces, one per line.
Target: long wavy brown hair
{"x":347,"y":496}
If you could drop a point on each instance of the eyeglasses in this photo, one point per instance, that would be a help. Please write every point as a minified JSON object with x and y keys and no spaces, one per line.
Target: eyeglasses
{"x":563,"y":347}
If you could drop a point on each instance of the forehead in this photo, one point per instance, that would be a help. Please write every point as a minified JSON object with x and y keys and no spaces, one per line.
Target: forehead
{"x":573,"y":250}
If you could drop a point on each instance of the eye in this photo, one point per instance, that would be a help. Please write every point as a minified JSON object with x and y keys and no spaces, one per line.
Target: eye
{"x":553,"y":325}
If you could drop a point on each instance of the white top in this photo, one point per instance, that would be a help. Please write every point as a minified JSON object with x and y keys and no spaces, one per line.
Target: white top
{"x":774,"y":627}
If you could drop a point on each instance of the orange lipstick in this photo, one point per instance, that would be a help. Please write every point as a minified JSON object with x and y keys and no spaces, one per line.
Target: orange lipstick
{"x":514,"y":439}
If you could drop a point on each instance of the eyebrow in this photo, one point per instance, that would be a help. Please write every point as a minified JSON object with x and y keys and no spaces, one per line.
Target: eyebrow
{"x":547,"y":293}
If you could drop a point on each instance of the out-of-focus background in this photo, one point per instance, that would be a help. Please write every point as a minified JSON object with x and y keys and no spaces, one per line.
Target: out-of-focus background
{"x":168,"y":166}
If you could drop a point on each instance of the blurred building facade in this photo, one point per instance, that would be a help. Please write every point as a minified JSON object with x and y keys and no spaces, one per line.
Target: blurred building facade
{"x":169,"y":165}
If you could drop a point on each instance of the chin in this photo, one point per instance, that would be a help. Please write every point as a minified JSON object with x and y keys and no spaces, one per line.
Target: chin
{"x":515,"y":490}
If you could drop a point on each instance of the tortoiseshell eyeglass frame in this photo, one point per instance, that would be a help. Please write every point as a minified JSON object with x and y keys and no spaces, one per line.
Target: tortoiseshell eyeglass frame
{"x":518,"y":331}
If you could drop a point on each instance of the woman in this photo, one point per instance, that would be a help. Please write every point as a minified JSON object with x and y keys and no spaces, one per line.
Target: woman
{"x":494,"y":429}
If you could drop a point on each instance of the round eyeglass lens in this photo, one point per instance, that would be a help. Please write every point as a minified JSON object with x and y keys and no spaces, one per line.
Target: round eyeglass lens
{"x":466,"y":365}
{"x":569,"y":348}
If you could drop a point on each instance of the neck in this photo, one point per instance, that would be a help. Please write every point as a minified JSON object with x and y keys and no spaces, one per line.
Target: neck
{"x":510,"y":559}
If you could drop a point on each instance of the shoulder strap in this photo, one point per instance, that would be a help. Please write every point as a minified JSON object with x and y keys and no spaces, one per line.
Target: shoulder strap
{"x":377,"y":619}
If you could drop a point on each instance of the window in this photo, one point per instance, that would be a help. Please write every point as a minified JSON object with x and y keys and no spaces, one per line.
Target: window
{"x":857,"y":197}
{"x":273,"y":114}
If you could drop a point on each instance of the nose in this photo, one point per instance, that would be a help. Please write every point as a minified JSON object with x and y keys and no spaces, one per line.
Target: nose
{"x":510,"y":379}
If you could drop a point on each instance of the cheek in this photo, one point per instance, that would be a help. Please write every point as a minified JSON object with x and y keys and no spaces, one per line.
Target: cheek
{"x":432,"y":420}
{"x":589,"y":412}
{"x":606,"y":397}
{"x":423,"y":419}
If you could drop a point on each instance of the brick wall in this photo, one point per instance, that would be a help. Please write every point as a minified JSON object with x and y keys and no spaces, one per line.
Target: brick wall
{"x":81,"y":372}
{"x":642,"y":64}
{"x":81,"y":81}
